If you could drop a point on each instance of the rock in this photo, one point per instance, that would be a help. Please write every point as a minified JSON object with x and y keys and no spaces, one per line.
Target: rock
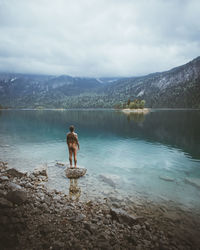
{"x":88,"y":227}
{"x":40,"y":170}
{"x":115,"y":199}
{"x":2,"y":193}
{"x":77,"y":218}
{"x":123,"y":217}
{"x":14,"y":186}
{"x":166,"y":178}
{"x":32,"y":177}
{"x":75,"y":172}
{"x":131,"y":239}
{"x":46,"y":228}
{"x":17,"y":197}
{"x":60,"y":164}
{"x":89,"y":203}
{"x":4,"y":178}
{"x":45,"y":207}
{"x":102,"y":244}
{"x":15,"y":173}
{"x":58,"y":245}
{"x":29,"y":185}
{"x":3,"y":164}
{"x":109,"y":179}
{"x":172,"y":216}
{"x":102,"y":236}
{"x":147,"y":225}
{"x":116,"y":204}
{"x":5,"y":203}
{"x":193,"y":181}
{"x":137,"y":227}
{"x":85,"y":233}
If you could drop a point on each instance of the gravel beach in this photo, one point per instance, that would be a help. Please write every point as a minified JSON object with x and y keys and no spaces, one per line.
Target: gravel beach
{"x":33,"y":217}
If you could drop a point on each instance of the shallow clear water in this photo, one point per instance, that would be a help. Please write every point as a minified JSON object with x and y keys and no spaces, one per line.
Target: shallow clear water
{"x":156,"y":156}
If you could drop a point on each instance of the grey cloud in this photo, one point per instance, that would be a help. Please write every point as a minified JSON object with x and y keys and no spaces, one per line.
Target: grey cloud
{"x":97,"y":37}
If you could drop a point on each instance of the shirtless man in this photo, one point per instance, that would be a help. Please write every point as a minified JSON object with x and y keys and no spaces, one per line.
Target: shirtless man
{"x":72,"y":142}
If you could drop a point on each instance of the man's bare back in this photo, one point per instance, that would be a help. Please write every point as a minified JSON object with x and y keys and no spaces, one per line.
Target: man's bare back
{"x":73,"y":145}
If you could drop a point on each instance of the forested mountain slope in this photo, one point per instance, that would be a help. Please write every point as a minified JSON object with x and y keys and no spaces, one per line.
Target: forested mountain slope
{"x":176,"y":88}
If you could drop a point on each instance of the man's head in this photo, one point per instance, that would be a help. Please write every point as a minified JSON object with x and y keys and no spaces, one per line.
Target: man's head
{"x":71,"y":128}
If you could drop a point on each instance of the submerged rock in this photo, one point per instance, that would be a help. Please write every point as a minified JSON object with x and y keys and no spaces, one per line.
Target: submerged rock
{"x":193,"y":181}
{"x":75,"y":172}
{"x":111,"y":180}
{"x":60,"y":164}
{"x":40,"y":170}
{"x":167,"y":178}
{"x":171,"y":215}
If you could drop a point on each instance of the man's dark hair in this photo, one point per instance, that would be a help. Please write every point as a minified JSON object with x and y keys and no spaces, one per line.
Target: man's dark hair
{"x":71,"y":128}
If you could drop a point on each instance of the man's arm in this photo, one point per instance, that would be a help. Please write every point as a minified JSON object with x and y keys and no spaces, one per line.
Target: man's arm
{"x":77,"y":141}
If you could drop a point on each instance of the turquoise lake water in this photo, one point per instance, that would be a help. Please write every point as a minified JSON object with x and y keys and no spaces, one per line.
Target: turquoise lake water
{"x":156,"y":156}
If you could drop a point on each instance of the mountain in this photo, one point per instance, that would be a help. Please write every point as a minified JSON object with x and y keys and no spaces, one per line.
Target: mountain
{"x":176,"y":88}
{"x":31,"y":91}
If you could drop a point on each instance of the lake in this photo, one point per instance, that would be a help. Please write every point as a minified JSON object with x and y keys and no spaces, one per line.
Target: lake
{"x":154,"y":156}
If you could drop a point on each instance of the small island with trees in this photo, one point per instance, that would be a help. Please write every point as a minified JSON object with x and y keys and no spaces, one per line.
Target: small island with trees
{"x":135,"y":106}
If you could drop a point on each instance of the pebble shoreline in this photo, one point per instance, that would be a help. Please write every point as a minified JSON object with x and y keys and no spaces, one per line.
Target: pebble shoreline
{"x":33,"y":217}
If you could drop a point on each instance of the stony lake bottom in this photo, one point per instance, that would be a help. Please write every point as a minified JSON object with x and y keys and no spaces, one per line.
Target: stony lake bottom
{"x":154,"y":157}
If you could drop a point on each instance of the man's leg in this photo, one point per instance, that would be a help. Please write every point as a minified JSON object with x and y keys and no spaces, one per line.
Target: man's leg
{"x":75,"y":157}
{"x":70,"y":158}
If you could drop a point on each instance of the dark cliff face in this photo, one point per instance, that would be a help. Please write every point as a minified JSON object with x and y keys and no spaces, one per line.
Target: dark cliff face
{"x":176,"y":88}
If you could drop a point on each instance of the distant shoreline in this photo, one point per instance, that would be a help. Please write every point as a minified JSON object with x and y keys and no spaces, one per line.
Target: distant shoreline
{"x":123,"y":110}
{"x":137,"y":111}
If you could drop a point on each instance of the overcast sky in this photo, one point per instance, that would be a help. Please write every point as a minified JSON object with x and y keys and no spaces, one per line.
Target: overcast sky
{"x":98,"y":37}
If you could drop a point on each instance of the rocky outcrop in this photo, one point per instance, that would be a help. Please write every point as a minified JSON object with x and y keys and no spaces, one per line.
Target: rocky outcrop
{"x":75,"y":172}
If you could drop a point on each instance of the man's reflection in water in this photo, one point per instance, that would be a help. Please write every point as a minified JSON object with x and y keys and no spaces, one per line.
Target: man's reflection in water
{"x":74,"y":190}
